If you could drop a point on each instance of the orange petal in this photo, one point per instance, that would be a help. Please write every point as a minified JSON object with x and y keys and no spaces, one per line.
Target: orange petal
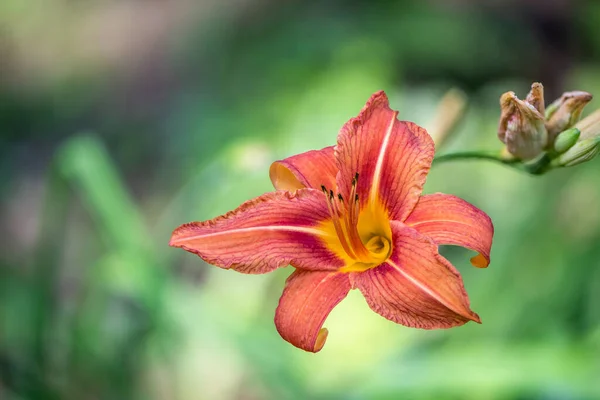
{"x":450,"y":220}
{"x":271,"y":231}
{"x":416,"y":287}
{"x":391,"y":157}
{"x":307,"y":300}
{"x":311,"y":169}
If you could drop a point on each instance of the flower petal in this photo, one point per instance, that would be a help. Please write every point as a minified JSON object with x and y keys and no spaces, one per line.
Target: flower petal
{"x":391,"y":157}
{"x":450,"y":220}
{"x":311,"y":169}
{"x":307,"y":300}
{"x":416,"y":287}
{"x":271,"y":231}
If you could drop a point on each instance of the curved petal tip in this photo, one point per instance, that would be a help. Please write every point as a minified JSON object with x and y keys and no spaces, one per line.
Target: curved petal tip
{"x":321,"y":338}
{"x":448,"y":219}
{"x":282,"y":178}
{"x":307,"y":300}
{"x":310,"y":169}
{"x":480,"y":261}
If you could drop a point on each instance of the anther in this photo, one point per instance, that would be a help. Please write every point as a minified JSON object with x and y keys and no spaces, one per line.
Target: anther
{"x":331,"y":194}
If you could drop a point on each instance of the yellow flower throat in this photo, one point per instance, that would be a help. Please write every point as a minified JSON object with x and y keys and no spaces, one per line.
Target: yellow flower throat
{"x":362,"y":238}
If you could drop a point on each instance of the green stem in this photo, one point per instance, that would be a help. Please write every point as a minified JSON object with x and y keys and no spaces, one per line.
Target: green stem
{"x":477,"y":155}
{"x":534,"y":167}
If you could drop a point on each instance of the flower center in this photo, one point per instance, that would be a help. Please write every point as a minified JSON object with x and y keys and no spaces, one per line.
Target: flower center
{"x":363,"y":236}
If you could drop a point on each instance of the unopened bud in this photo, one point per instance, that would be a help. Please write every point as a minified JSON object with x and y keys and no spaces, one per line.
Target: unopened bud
{"x":521,"y":127}
{"x":535,"y":97}
{"x":581,"y":152}
{"x":590,"y":125}
{"x":564,"y":112}
{"x":565,"y":140}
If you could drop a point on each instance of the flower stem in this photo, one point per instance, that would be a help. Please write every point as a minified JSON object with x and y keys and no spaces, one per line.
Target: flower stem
{"x":535,"y":167}
{"x":475,"y":155}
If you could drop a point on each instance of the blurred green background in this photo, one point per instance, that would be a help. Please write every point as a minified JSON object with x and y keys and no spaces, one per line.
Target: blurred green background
{"x":120,"y":120}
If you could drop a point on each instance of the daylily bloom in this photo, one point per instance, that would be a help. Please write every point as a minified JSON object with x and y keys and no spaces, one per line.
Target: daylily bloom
{"x":352,"y":216}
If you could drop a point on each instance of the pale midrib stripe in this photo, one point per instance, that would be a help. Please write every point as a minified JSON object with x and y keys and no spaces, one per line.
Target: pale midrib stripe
{"x":438,"y":220}
{"x":379,"y":166}
{"x":424,"y":288}
{"x":285,"y":228}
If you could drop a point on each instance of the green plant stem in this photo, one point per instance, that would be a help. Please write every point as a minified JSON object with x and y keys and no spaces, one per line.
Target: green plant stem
{"x":534,"y":167}
{"x":476,"y":155}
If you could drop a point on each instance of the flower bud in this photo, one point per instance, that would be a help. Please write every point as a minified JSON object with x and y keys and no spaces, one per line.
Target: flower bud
{"x":565,"y":140}
{"x":590,"y":125}
{"x":535,"y":97}
{"x":521,"y":125}
{"x":564,"y":112}
{"x":581,"y":152}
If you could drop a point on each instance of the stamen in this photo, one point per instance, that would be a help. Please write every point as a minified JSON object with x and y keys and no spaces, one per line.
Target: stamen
{"x":353,"y":195}
{"x":348,"y":233}
{"x":342,"y":206}
{"x":348,"y":222}
{"x":352,"y":222}
{"x":356,"y":209}
{"x":345,"y":239}
{"x":335,"y":217}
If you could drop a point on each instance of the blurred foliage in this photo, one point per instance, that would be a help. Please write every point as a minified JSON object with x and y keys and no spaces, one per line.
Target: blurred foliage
{"x":112,"y":135}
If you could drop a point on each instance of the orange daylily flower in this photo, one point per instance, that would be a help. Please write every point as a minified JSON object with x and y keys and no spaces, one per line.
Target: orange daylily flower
{"x":352,"y":216}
